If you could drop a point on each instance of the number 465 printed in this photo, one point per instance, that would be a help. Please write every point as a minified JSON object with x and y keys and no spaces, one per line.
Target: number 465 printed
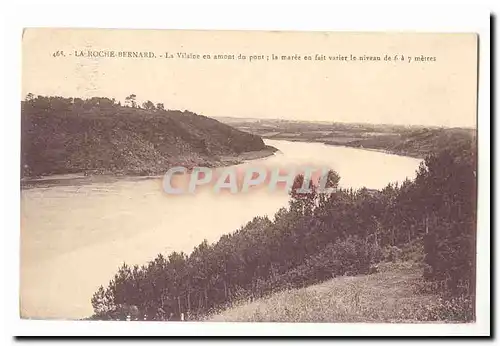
{"x":58,"y":54}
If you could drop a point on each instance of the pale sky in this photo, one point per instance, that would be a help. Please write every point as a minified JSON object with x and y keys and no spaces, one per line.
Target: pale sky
{"x":439,"y":93}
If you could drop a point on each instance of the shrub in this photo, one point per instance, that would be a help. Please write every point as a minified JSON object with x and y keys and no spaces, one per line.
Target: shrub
{"x":391,"y":253}
{"x":452,"y":309}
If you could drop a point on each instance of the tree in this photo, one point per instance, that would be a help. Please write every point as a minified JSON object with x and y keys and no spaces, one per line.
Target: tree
{"x":160,"y":107}
{"x":78,"y":102}
{"x":303,"y":196}
{"x":148,"y":105}
{"x":131,"y":100}
{"x":317,"y":237}
{"x":102,"y":302}
{"x":448,"y":184}
{"x":29,"y":97}
{"x":100,"y":102}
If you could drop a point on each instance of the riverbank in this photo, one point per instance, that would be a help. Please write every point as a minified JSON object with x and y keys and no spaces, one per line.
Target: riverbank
{"x":95,"y":223}
{"x":410,"y":141}
{"x":249,"y":156}
{"x":100,"y":176}
{"x":383,"y":151}
{"x":346,"y":144}
{"x":307,"y":244}
{"x":417,"y":144}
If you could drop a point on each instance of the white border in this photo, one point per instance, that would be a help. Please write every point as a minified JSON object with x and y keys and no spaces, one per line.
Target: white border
{"x":126,"y":14}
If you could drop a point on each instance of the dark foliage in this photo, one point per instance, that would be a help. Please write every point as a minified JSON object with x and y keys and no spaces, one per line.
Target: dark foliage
{"x":316,"y":238}
{"x":98,"y":135}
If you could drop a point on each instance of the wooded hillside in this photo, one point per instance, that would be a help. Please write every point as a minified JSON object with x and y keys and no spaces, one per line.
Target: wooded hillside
{"x":99,"y":135}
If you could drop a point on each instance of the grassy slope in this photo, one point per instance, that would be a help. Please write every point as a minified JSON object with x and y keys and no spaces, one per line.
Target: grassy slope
{"x":387,"y":296}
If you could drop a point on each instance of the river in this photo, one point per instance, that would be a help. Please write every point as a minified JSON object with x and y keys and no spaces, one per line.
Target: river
{"x":75,"y":233}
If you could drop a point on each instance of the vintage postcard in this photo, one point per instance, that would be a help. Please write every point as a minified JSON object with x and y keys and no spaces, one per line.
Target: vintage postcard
{"x":248,"y":176}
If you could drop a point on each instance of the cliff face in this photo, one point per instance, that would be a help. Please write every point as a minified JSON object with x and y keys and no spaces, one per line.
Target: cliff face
{"x":70,"y":138}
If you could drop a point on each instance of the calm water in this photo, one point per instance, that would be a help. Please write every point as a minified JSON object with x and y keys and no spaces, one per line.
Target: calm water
{"x":75,"y":233}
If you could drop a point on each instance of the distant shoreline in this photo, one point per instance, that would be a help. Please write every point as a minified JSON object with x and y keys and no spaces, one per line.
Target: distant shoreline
{"x":347,"y":145}
{"x":384,"y":151}
{"x":414,"y":142}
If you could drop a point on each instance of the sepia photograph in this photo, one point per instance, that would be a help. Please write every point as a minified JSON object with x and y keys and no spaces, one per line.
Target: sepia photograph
{"x":248,"y":176}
